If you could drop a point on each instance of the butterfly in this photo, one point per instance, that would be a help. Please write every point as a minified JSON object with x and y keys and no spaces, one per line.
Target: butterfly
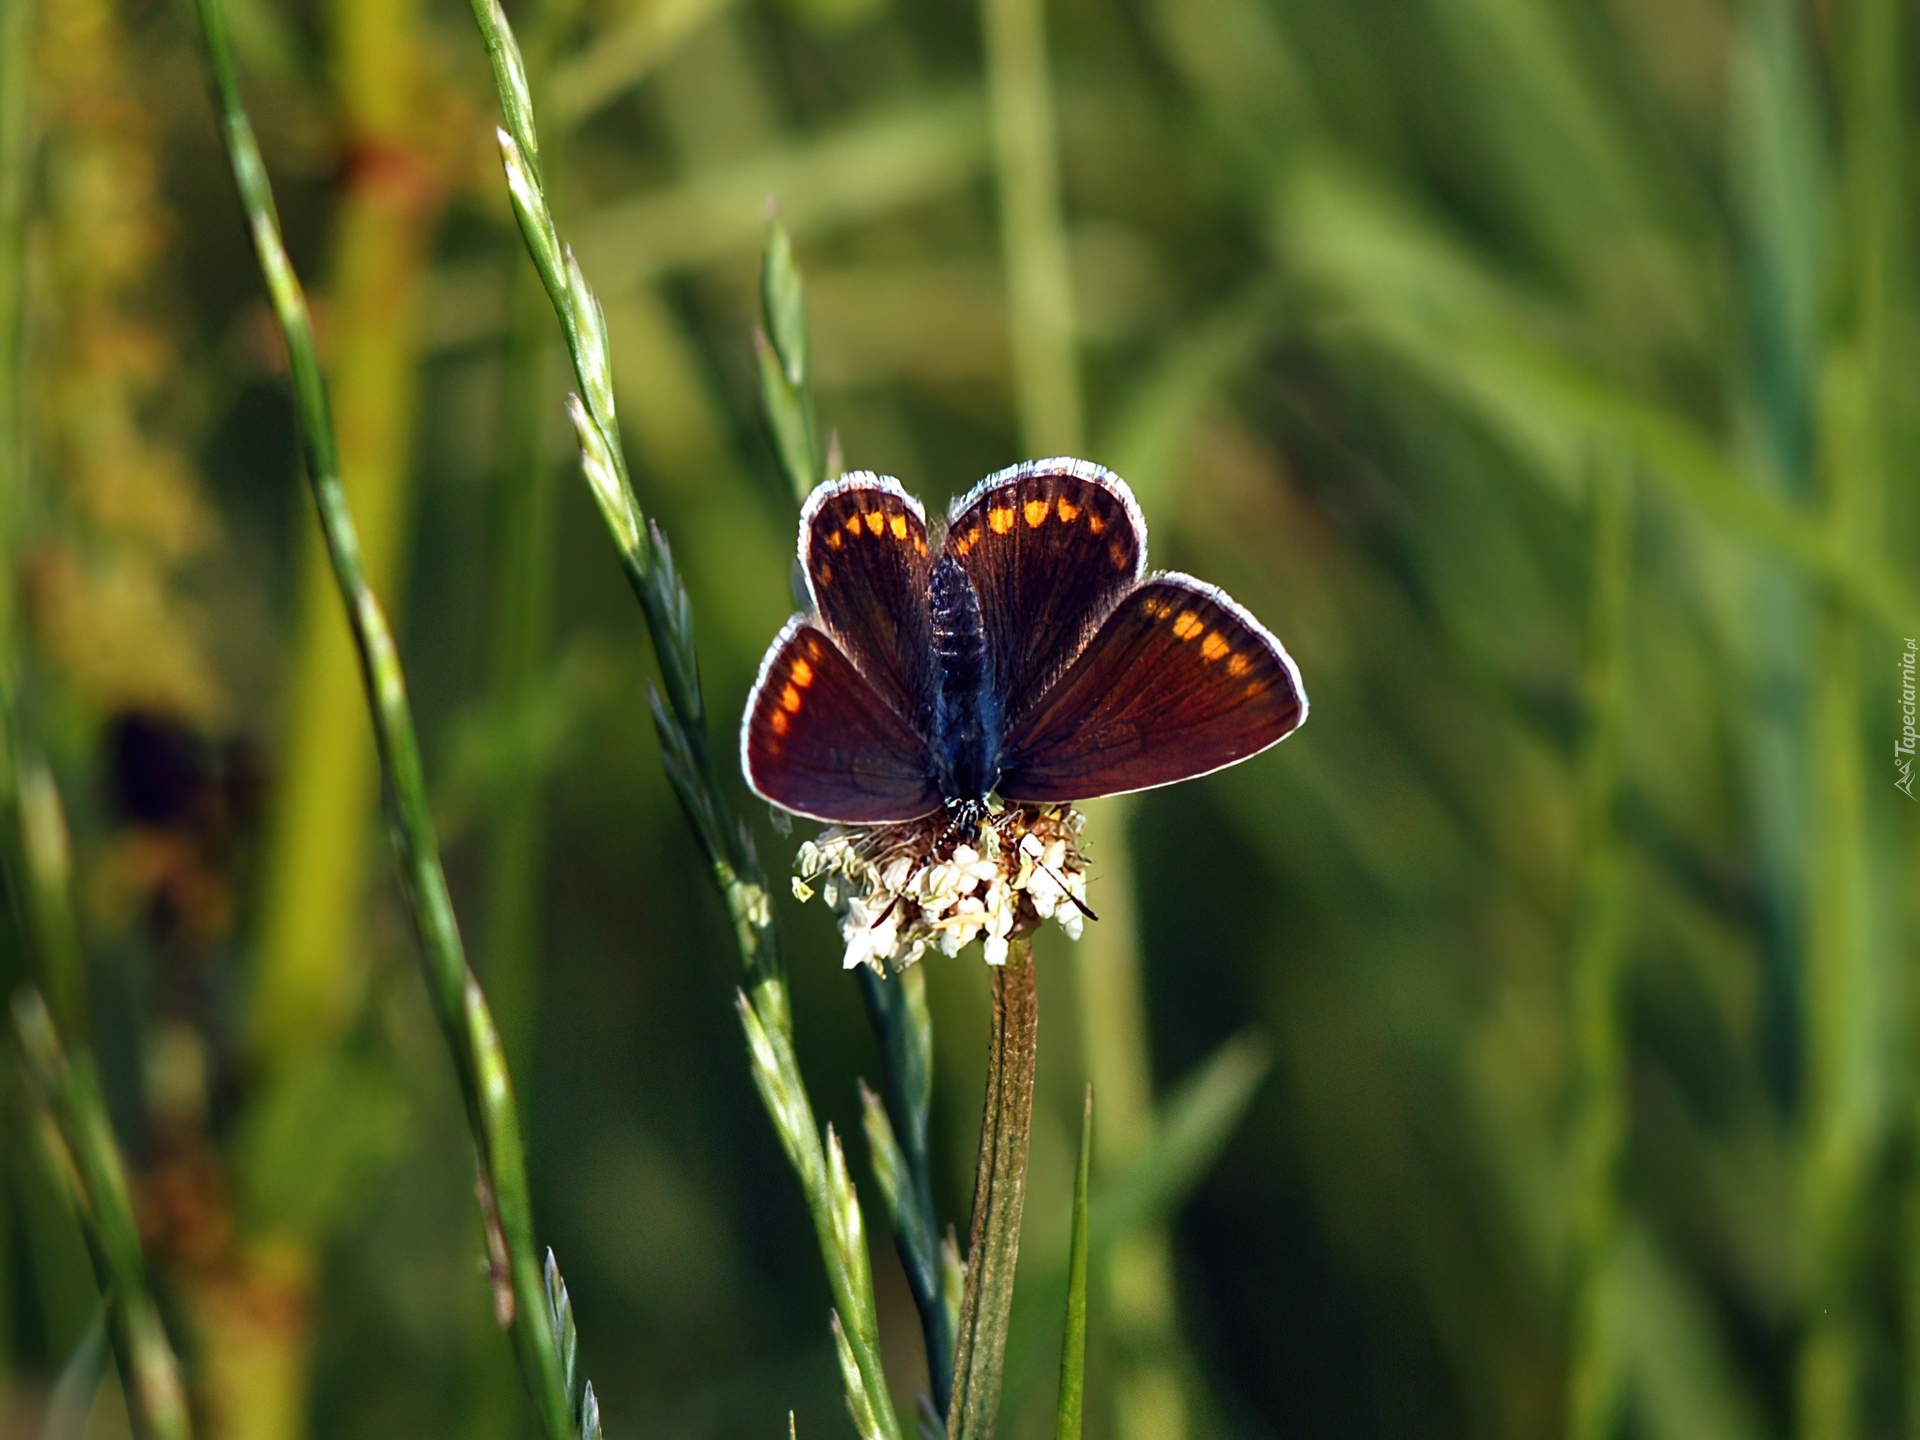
{"x":1026,"y":653}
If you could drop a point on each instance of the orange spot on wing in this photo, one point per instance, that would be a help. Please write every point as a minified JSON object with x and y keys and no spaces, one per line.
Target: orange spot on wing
{"x":853,"y":524}
{"x":824,"y":575}
{"x":876,"y":521}
{"x":835,"y":539}
{"x":898,"y":524}
{"x":813,"y":647}
{"x":1069,"y":512}
{"x":790,"y":698}
{"x":779,"y":722}
{"x":1036,"y":513}
{"x":1187,"y":625}
{"x":802,"y":673}
{"x":1214,"y":646}
{"x":1095,"y":523}
{"x":1119,"y":555}
{"x":1238,"y":666}
{"x":919,"y":544}
{"x":1001,"y":519}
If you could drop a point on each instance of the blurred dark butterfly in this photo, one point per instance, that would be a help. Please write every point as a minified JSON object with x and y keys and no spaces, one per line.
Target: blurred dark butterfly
{"x":1028,"y":654}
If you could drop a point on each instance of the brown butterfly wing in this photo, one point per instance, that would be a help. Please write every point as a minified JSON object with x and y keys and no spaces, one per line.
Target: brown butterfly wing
{"x":863,"y":549}
{"x":1177,"y":682}
{"x":1050,"y":547}
{"x":818,"y":740}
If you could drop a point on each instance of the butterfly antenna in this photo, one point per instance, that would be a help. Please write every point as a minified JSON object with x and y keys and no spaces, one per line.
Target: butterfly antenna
{"x":882,"y":917}
{"x":1078,"y":904}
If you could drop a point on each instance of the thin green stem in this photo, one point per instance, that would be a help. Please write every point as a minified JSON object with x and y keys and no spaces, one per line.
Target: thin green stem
{"x":680,"y":721}
{"x":897,"y":1006}
{"x":1073,"y":1345}
{"x":999,"y":1197}
{"x":521,"y":630}
{"x":458,"y":1001}
{"x":821,"y":1167}
{"x":16,"y":154}
{"x":1032,"y":227}
{"x":1600,"y":1099}
{"x":37,"y":861}
{"x":68,"y":1089}
{"x":1851,"y":970}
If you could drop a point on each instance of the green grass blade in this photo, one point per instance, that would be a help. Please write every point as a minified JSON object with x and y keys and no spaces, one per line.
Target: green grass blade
{"x":897,"y":1006}
{"x":1194,"y":1127}
{"x":1046,"y":363}
{"x":1600,"y":1124}
{"x":71,"y":1399}
{"x":459,"y":1003}
{"x":876,"y":165}
{"x":66,"y":1089}
{"x":1191,"y":1129}
{"x":16,"y":174}
{"x":1073,"y":1344}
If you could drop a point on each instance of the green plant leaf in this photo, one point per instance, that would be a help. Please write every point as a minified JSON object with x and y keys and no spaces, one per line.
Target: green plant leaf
{"x":784,"y":305}
{"x":1073,"y":1345}
{"x":1194,"y":1128}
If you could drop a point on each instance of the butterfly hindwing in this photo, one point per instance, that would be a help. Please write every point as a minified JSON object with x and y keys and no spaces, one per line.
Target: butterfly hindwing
{"x":1050,"y":547}
{"x":819,"y":741}
{"x":1178,"y":681}
{"x":863,"y":549}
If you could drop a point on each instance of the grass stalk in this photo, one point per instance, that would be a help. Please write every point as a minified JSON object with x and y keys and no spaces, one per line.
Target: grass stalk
{"x":1033,"y":231}
{"x":999,"y":1197}
{"x":310,"y":982}
{"x":1073,"y":1346}
{"x":521,"y":1297}
{"x":16,"y":170}
{"x":897,"y":1127}
{"x":680,"y":721}
{"x":1037,"y":260}
{"x":1849,"y":968}
{"x":80,"y":1140}
{"x":1599,"y":1081}
{"x":65,"y":1086}
{"x":521,"y":625}
{"x":1141,"y":1308}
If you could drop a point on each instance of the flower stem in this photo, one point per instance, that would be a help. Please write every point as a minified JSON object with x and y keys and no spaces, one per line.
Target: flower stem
{"x":999,"y":1195}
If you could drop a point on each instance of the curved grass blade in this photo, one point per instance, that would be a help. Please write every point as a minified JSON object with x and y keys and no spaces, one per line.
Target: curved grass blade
{"x":459,"y":1003}
{"x":1073,"y":1345}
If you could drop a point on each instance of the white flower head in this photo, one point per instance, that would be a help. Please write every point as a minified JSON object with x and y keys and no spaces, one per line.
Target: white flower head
{"x":900,"y":890}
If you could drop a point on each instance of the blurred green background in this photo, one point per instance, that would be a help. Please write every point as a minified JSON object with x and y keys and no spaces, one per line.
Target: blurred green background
{"x":1544,"y":374}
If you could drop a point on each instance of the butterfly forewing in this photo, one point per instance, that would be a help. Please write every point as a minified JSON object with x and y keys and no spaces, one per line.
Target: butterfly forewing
{"x":863,"y":547}
{"x":818,"y":740}
{"x":1050,"y":546}
{"x":1177,"y":682}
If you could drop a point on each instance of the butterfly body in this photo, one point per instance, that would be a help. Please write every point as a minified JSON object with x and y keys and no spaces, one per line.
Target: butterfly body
{"x":965,"y":730}
{"x":1026,"y":654}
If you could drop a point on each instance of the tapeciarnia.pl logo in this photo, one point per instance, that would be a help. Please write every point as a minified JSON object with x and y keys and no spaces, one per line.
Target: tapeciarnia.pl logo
{"x":1903,"y":747}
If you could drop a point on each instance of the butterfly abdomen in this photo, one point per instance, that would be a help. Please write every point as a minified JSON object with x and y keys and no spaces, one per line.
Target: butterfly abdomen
{"x":965,"y":726}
